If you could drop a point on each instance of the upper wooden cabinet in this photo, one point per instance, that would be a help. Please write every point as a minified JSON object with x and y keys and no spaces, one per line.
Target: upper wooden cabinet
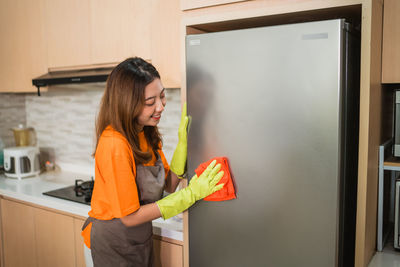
{"x":67,"y":32}
{"x":22,"y":46}
{"x":120,"y":30}
{"x":147,"y":29}
{"x":192,"y":4}
{"x":391,"y":42}
{"x":166,"y":41}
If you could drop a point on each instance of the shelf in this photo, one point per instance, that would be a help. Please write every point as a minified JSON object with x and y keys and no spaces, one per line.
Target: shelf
{"x":392,"y":162}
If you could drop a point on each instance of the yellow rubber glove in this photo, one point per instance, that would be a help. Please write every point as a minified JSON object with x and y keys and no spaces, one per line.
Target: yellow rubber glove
{"x":178,"y":162}
{"x":198,"y":188}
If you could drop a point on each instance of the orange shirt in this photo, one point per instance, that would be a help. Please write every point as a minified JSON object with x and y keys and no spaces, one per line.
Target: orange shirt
{"x":115,"y":193}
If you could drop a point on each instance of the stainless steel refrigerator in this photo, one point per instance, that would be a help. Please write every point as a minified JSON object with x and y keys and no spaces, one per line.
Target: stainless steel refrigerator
{"x":282,"y":104}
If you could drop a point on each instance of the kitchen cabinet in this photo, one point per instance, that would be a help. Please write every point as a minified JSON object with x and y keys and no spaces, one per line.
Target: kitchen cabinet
{"x":18,"y":229}
{"x":192,"y":4}
{"x":391,"y":42}
{"x":96,"y":33}
{"x":55,"y":240}
{"x":22,"y":46}
{"x":61,"y":35}
{"x":248,"y":14}
{"x":120,"y":30}
{"x":67,"y":32}
{"x":80,"y":257}
{"x":36,"y":236}
{"x":167,"y":253}
{"x":165,"y":42}
{"x":148,"y":29}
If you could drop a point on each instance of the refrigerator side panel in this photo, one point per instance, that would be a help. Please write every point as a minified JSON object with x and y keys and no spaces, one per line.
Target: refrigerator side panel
{"x":349,"y":144}
{"x":269,"y":100}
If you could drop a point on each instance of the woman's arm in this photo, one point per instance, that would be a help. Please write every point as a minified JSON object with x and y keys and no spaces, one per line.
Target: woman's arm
{"x":149,"y":212}
{"x":171,"y":182}
{"x":145,"y":213}
{"x":175,"y":203}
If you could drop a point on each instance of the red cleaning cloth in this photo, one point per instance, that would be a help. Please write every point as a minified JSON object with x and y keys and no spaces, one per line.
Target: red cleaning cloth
{"x":228,"y":191}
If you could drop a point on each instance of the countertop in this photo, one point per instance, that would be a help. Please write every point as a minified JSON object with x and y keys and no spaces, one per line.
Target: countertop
{"x":30,"y":189}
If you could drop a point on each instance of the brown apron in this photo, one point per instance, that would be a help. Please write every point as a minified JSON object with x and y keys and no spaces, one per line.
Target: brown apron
{"x":114,"y":244}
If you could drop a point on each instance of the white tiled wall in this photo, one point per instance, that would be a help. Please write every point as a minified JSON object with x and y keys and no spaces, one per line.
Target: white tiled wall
{"x":64,"y":119}
{"x":12,"y":113}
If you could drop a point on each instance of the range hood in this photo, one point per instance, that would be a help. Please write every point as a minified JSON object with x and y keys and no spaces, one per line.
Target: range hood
{"x":72,"y":76}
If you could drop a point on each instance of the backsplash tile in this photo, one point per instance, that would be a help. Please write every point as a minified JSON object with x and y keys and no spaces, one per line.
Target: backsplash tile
{"x":64,"y":119}
{"x":12,"y":113}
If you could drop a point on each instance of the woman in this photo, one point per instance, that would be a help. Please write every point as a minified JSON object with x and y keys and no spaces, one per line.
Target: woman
{"x":131,"y":170}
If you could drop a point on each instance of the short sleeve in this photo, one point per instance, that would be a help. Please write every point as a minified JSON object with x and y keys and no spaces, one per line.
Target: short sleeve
{"x":115,"y":194}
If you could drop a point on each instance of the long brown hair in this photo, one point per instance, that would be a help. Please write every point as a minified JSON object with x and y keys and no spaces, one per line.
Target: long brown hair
{"x":123,"y":101}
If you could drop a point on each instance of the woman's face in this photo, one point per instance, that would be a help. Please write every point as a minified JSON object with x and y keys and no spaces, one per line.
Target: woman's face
{"x":154,"y":103}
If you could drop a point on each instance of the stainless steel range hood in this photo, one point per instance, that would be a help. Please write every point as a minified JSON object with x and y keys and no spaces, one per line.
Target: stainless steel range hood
{"x":72,"y":76}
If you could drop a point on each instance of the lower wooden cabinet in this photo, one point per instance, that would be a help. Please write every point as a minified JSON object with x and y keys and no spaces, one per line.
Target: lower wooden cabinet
{"x":55,"y":240}
{"x":18,"y":229}
{"x":34,"y":236}
{"x":167,"y":254}
{"x":80,"y":257}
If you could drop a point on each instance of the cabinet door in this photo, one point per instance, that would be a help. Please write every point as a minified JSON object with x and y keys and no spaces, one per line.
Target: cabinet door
{"x":391,"y":42}
{"x":167,"y":254}
{"x":80,"y":258}
{"x":55,"y":239}
{"x":22,"y":46}
{"x":166,"y":41}
{"x":67,"y":32}
{"x":120,"y":30}
{"x":18,"y":234}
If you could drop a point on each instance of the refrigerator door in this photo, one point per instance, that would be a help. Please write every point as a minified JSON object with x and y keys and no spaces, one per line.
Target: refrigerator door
{"x":269,"y":100}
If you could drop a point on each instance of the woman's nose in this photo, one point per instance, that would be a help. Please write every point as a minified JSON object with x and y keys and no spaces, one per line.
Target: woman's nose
{"x":160,"y":106}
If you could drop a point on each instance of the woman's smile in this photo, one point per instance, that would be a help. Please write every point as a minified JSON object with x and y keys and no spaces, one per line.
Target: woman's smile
{"x":156,"y":117}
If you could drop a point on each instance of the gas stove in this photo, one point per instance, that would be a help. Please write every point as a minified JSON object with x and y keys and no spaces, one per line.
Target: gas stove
{"x":81,"y":192}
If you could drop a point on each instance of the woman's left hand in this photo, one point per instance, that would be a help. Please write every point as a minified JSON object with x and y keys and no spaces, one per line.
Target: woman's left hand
{"x":178,"y":162}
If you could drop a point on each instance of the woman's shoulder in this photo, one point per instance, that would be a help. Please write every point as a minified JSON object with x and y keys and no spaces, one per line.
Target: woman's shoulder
{"x":112,"y":139}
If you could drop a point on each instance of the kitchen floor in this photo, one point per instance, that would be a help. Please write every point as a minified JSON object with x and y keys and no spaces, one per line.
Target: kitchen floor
{"x":389,"y":257}
{"x":385,"y":259}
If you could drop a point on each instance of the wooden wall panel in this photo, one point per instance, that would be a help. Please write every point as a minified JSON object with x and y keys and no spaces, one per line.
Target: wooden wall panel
{"x":370,"y":130}
{"x":391,"y":42}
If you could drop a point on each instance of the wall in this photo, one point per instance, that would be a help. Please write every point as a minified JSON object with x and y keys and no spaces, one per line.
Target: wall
{"x":64,"y":118}
{"x":12,"y":113}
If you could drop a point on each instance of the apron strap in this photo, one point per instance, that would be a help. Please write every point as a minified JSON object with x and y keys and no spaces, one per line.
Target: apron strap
{"x":88,"y":220}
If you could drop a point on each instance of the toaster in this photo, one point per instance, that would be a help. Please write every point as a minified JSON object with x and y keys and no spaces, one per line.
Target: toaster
{"x":21,"y":161}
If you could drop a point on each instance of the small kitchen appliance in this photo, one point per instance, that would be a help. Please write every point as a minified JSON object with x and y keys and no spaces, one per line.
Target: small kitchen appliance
{"x":21,"y":162}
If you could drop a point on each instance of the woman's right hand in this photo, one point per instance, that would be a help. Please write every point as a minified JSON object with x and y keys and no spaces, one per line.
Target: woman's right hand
{"x":206,"y":183}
